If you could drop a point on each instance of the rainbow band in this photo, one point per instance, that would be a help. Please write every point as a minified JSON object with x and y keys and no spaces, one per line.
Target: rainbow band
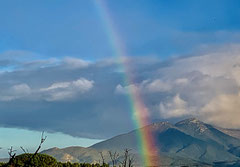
{"x":139,"y":112}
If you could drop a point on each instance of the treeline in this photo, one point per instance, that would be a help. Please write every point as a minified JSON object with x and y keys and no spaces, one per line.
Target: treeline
{"x":43,"y":160}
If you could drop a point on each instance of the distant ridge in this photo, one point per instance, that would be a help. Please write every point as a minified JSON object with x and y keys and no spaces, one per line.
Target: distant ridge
{"x":189,"y":141}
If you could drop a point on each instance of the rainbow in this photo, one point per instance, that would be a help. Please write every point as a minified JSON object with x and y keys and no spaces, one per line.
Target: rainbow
{"x":146,"y":143}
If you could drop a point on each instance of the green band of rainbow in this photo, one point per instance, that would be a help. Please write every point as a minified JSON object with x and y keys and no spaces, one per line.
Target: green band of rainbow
{"x":139,"y":112}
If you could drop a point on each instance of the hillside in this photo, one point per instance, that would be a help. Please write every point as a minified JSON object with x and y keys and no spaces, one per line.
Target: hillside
{"x":187,"y":142}
{"x":231,"y":132}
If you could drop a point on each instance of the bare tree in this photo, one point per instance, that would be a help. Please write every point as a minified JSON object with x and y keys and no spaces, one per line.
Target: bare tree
{"x":102,"y":157}
{"x":29,"y":163}
{"x":125,"y":157}
{"x":131,"y":160}
{"x":114,"y":157}
{"x":24,"y":150}
{"x":43,"y":138}
{"x":12,"y":154}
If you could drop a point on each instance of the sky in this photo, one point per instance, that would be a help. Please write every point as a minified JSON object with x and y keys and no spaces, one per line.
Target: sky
{"x":59,"y":72}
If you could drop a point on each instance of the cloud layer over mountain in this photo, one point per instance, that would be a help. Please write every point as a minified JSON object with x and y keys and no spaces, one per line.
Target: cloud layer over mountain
{"x":87,"y":99}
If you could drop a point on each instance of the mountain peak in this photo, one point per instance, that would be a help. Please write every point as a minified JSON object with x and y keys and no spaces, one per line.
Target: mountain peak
{"x":53,"y":149}
{"x":190,"y":121}
{"x":164,"y":123}
{"x":193,"y":123}
{"x":160,"y":126}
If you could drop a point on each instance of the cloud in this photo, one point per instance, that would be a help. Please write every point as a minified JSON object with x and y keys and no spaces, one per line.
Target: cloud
{"x":176,"y":107}
{"x":18,"y":55}
{"x":223,"y":111}
{"x":70,"y":62}
{"x":25,"y":60}
{"x":65,"y":90}
{"x":181,"y":81}
{"x":6,"y":62}
{"x":125,"y":89}
{"x":35,"y":64}
{"x":15,"y":92}
{"x":55,"y":92}
{"x":158,"y":86}
{"x":81,"y":98}
{"x":146,"y":86}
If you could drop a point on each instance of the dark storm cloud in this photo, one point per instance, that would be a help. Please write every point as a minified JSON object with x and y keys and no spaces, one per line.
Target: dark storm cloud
{"x":89,"y":99}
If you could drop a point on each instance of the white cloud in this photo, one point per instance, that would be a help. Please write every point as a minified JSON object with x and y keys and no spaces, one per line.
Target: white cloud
{"x":158,"y":86}
{"x":82,"y":84}
{"x":70,"y":62}
{"x":15,"y":92}
{"x":223,"y":111}
{"x":125,"y":89}
{"x":57,"y":85}
{"x":208,"y":83}
{"x":21,"y":89}
{"x":181,"y":81}
{"x":235,"y":72}
{"x":35,"y":64}
{"x":146,"y":86}
{"x":202,"y":86}
{"x":65,"y":90}
{"x":56,"y":91}
{"x":175,"y":107}
{"x":120,"y":89}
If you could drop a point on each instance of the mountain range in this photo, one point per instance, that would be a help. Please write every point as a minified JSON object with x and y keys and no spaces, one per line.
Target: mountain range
{"x":188,"y":142}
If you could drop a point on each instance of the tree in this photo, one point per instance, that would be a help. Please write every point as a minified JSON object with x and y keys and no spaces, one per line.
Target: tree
{"x":125,"y":158}
{"x":43,"y":138}
{"x":128,"y":159}
{"x":114,"y":157}
{"x":29,"y":159}
{"x":12,"y":155}
{"x":131,"y":160}
{"x":38,"y":160}
{"x":102,"y":157}
{"x":24,"y":150}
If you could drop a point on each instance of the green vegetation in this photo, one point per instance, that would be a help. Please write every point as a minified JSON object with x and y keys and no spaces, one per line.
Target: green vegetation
{"x":43,"y":160}
{"x":68,"y":164}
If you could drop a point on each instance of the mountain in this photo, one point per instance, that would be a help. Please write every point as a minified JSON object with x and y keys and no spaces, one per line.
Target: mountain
{"x":75,"y":154}
{"x":207,"y":132}
{"x":89,"y":155}
{"x":190,"y":141}
{"x":231,"y":132}
{"x":129,"y":140}
{"x":4,"y":159}
{"x":189,"y":138}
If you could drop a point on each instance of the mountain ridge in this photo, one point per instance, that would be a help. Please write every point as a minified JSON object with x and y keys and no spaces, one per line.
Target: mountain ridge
{"x":189,"y":140}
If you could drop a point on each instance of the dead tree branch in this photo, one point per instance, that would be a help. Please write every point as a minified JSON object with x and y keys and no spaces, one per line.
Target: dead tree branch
{"x":103,"y":160}
{"x":114,"y":157}
{"x":24,"y":150}
{"x":131,"y":160}
{"x":43,"y":138}
{"x":12,"y":154}
{"x":125,"y":157}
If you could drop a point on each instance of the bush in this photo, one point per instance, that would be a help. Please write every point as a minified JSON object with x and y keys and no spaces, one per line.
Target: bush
{"x":43,"y":160}
{"x":68,"y":164}
{"x":2,"y":164}
{"x":39,"y":160}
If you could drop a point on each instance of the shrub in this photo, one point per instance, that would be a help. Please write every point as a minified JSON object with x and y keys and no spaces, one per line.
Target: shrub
{"x":43,"y":160}
{"x":30,"y":160}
